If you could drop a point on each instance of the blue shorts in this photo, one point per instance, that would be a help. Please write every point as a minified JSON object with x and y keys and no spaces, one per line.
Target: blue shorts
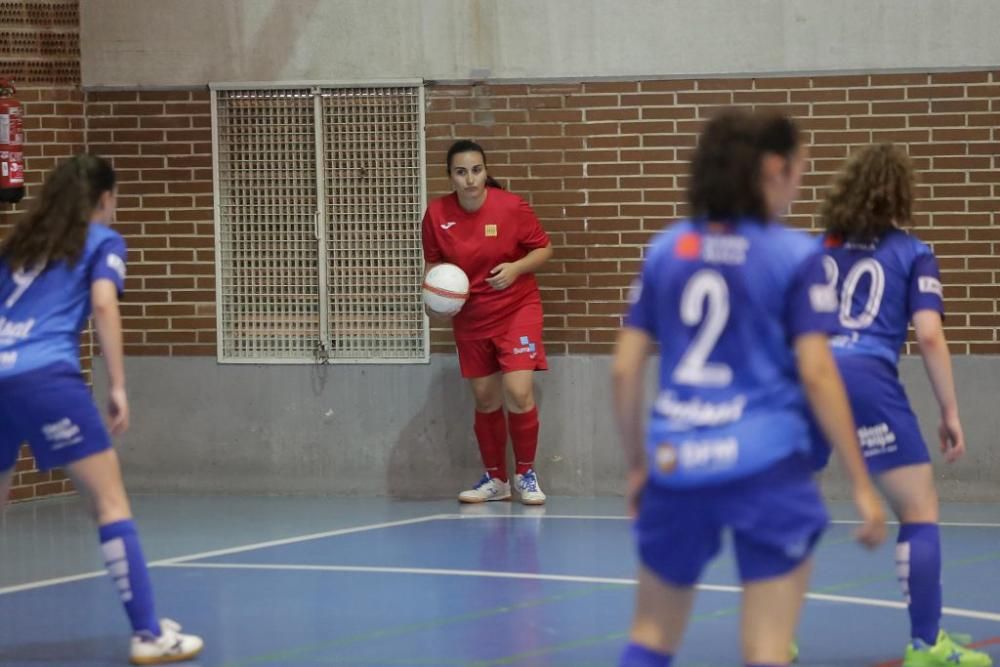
{"x":776,"y":516}
{"x":887,"y":428}
{"x":52,"y":410}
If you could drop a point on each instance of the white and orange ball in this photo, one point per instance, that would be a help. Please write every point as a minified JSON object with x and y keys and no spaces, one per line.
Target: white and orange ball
{"x":446,"y":289}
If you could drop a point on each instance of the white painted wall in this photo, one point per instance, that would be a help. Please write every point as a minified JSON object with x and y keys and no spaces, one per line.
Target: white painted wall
{"x":193,"y":42}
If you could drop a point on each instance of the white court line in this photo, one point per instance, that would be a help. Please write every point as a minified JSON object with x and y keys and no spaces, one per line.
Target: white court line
{"x":822,"y":597}
{"x":301,"y":538}
{"x":849,"y":522}
{"x":223,"y":552}
{"x":357,"y":529}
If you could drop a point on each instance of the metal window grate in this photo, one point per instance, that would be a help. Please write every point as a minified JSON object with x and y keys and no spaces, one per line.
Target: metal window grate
{"x":269,"y":298}
{"x":374,"y":204}
{"x":319,"y":196}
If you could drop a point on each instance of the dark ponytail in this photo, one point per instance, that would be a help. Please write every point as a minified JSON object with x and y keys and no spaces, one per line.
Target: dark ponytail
{"x":469,"y":146}
{"x":55,"y":226}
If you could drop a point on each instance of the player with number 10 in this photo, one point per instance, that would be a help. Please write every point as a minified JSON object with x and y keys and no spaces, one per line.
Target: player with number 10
{"x":887,"y":278}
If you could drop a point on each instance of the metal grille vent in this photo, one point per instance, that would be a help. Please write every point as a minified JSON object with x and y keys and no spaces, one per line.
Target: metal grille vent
{"x":319,"y":193}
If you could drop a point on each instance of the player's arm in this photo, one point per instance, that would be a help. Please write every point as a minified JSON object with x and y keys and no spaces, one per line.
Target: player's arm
{"x":825,"y":392}
{"x":107,"y":320}
{"x":937,"y":361}
{"x":628,"y":377}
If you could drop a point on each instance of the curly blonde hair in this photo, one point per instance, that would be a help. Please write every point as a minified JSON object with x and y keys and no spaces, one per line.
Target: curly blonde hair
{"x":872,"y":193}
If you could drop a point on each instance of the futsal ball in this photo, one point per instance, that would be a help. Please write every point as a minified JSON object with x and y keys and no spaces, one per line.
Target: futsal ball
{"x":446,"y":288}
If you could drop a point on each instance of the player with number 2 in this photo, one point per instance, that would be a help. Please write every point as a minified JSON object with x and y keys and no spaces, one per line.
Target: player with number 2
{"x":741,"y":310}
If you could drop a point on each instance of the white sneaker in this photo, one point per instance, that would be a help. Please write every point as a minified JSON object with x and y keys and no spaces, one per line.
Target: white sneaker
{"x":487,"y":489}
{"x":170,"y":646}
{"x":528,"y":489}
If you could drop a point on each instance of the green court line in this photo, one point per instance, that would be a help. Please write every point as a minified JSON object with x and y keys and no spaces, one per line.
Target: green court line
{"x":728,"y":611}
{"x":401,"y":630}
{"x":396,"y":631}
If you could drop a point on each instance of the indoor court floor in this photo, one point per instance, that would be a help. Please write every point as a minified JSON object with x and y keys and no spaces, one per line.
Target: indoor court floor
{"x":360,"y":582}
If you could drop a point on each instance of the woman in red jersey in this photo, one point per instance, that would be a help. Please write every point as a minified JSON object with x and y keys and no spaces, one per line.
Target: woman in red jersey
{"x":494,"y":236}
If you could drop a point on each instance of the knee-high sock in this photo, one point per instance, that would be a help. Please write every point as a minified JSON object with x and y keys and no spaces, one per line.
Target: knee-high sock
{"x":524,"y":435}
{"x":127,"y":567}
{"x":491,"y":434}
{"x":918,"y":568}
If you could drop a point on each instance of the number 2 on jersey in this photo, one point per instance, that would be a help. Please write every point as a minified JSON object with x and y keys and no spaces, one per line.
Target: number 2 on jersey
{"x":705,"y":301}
{"x":23,"y":279}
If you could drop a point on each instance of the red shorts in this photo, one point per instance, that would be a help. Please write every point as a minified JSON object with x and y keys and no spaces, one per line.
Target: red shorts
{"x":519,"y":348}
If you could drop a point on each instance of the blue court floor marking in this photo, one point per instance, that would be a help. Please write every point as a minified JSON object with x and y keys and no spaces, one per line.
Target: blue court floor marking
{"x":825,"y":597}
{"x":224,"y":552}
{"x":389,"y":632}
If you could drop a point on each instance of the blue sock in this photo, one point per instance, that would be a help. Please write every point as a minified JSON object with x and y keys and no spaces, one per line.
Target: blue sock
{"x":918,"y":568}
{"x":640,"y":656}
{"x":127,"y":566}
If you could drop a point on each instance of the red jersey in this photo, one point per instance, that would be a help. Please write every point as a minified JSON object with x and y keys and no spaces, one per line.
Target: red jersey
{"x":504,"y":229}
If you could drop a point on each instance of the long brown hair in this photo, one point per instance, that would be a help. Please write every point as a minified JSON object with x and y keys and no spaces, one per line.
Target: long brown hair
{"x":873,"y":192}
{"x":55,"y":226}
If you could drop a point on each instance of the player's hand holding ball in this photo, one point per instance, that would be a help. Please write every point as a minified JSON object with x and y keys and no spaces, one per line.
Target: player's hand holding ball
{"x":446,"y":289}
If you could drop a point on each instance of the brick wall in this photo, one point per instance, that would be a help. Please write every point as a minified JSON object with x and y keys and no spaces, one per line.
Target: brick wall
{"x":40,"y":51}
{"x":161,"y":145}
{"x":604,"y":165}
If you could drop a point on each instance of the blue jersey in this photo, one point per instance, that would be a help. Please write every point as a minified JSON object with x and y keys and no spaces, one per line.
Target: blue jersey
{"x":43,"y":310}
{"x":881,"y":285}
{"x":725,"y":307}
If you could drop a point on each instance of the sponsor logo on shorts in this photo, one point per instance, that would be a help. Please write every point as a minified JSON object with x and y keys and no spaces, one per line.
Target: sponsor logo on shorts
{"x":797,"y":550}
{"x":526,"y":347}
{"x":8,"y":359}
{"x":876,"y":440}
{"x":63,"y":433}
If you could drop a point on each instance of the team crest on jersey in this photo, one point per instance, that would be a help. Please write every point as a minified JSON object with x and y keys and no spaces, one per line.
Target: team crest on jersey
{"x":666,"y":458}
{"x":688,"y":246}
{"x":490,"y":230}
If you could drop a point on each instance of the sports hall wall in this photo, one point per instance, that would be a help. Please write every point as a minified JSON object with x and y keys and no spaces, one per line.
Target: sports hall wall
{"x":589,"y":109}
{"x":40,"y":51}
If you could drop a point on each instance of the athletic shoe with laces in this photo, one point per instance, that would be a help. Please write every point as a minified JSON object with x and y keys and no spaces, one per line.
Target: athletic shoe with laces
{"x":946,"y":652}
{"x":527,"y":487}
{"x":487,"y":489}
{"x":170,"y":646}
